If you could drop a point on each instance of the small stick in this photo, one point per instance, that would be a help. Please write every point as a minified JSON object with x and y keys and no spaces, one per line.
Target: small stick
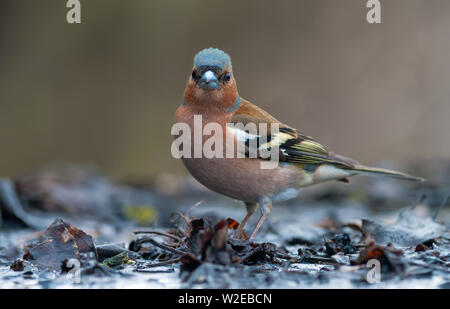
{"x":157,"y":244}
{"x":186,"y":220}
{"x":168,"y":262}
{"x":284,"y":256}
{"x":317,"y":259}
{"x":416,"y":263}
{"x":192,"y":208}
{"x":159,"y":233}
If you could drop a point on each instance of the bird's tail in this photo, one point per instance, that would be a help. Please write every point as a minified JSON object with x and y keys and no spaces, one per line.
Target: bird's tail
{"x":361,"y":169}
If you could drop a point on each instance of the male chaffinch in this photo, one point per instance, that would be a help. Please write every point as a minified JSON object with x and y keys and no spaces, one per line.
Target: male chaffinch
{"x":212,"y":93}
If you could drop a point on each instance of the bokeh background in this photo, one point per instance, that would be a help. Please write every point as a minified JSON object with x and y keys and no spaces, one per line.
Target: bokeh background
{"x":104,"y":92}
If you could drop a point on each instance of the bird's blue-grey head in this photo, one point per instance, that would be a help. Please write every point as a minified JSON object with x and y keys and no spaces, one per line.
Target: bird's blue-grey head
{"x":212,"y":67}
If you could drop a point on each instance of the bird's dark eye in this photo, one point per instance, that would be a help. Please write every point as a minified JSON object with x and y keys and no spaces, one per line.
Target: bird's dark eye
{"x":194,"y":75}
{"x":227,"y":77}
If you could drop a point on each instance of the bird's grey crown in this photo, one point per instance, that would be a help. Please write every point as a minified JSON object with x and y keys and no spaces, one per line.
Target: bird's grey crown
{"x":213,"y":57}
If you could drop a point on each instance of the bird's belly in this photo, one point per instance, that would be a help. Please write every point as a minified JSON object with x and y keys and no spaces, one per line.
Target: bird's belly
{"x":243,"y":179}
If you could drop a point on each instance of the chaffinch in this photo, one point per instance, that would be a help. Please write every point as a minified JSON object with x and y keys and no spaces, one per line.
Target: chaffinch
{"x":211,"y":93}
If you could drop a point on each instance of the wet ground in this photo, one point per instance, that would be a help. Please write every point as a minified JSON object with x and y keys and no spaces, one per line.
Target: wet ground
{"x":66,"y":226}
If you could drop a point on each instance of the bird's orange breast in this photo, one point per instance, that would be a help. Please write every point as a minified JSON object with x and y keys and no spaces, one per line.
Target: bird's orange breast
{"x":238,"y":178}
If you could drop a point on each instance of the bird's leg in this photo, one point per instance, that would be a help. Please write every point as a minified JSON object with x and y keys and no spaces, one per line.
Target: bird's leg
{"x":265,"y":204}
{"x":251,"y":207}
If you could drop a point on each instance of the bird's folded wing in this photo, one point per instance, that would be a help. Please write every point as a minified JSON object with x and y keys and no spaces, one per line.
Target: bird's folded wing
{"x":294,"y":147}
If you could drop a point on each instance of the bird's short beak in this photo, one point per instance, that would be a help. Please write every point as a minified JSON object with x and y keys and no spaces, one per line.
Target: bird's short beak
{"x":209,"y":80}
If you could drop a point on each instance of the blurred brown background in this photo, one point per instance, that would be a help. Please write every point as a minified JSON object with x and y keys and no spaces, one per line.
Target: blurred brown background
{"x":104,"y":92}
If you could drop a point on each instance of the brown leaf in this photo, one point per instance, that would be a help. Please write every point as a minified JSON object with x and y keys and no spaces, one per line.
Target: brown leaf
{"x":189,"y":262}
{"x":60,"y":242}
{"x":232,"y":224}
{"x":390,"y":258}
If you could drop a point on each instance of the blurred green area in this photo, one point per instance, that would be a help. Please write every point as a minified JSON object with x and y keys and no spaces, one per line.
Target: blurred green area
{"x":104,"y":92}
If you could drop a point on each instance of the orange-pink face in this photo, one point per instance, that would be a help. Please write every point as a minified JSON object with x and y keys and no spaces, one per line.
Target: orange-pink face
{"x":211,"y":81}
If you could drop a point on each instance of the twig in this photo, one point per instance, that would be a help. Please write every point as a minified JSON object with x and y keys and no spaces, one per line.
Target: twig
{"x":186,"y":220}
{"x":157,"y":244}
{"x":284,"y":256}
{"x":317,"y":259}
{"x":168,"y":262}
{"x":416,"y":263}
{"x":159,"y":233}
{"x":192,"y":208}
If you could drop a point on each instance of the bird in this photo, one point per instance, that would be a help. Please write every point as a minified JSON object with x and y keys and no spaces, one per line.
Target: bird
{"x":211,"y":92}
